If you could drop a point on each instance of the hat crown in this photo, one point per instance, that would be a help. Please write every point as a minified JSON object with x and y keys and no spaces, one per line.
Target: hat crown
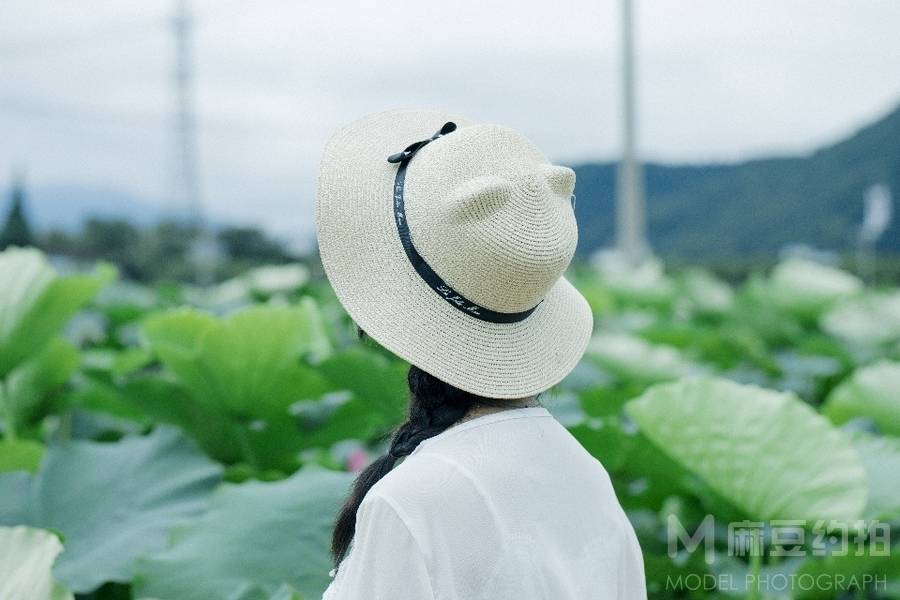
{"x":492,"y":216}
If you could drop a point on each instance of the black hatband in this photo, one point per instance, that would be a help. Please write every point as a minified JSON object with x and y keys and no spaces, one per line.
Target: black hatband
{"x":425,"y":271}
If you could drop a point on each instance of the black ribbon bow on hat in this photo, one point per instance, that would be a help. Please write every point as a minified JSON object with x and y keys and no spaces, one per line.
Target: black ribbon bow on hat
{"x":410,"y":151}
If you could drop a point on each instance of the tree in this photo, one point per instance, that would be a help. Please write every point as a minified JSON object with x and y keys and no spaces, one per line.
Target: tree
{"x":57,"y":241}
{"x":16,"y":231}
{"x":251,"y":244}
{"x":113,"y":240}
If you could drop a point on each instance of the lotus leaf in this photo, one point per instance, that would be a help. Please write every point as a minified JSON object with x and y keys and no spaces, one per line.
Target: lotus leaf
{"x":764,"y":451}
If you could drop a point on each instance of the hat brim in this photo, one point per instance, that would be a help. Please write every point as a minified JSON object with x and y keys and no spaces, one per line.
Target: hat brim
{"x":375,"y":282}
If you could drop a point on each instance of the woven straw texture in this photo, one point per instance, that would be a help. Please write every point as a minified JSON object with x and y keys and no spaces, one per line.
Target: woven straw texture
{"x":490,"y":215}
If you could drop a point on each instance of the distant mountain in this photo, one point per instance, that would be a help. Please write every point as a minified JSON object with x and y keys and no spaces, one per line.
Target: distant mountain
{"x":696,"y":212}
{"x":753,"y":208}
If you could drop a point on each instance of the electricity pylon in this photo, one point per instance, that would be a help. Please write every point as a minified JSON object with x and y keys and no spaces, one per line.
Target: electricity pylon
{"x":204,"y":253}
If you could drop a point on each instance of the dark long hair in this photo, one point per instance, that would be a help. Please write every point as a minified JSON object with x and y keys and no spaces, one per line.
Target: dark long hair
{"x":433,"y":407}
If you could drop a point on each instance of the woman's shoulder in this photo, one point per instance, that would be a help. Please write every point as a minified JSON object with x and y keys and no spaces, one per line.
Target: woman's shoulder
{"x":444,"y":509}
{"x":427,"y":482}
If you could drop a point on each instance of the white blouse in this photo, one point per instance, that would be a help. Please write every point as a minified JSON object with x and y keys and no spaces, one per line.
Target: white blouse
{"x":506,"y":506}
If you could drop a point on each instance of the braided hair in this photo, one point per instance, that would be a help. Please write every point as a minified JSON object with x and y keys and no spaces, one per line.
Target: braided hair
{"x":433,"y":407}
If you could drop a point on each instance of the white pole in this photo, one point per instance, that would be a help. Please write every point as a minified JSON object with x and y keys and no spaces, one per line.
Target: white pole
{"x":877,"y":214}
{"x":630,"y":220}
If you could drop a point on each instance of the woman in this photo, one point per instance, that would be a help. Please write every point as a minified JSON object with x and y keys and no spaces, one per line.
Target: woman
{"x":446,"y":241}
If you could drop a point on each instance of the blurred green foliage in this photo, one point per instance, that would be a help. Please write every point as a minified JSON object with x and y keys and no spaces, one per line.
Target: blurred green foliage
{"x":194,"y":442}
{"x":161,"y":252}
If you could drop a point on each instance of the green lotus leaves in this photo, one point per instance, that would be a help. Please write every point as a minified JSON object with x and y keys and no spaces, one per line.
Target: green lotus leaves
{"x":252,"y":360}
{"x":269,"y":388}
{"x":881,"y":457}
{"x":31,"y":387}
{"x":26,"y":559}
{"x":632,"y":358}
{"x":261,"y":283}
{"x":20,"y":455}
{"x":248,"y":363}
{"x":764,"y":451}
{"x":277,"y":279}
{"x":605,"y":441}
{"x":218,"y":555}
{"x":869,"y":319}
{"x":113,"y":501}
{"x":705,"y":292}
{"x":15,"y":488}
{"x":257,"y":592}
{"x":877,"y":575}
{"x":872,"y":392}
{"x":175,"y":336}
{"x":377,"y":402}
{"x":242,"y":374}
{"x":807,"y":288}
{"x":644,"y":283}
{"x":286,"y":592}
{"x":168,"y":402}
{"x":35,"y":302}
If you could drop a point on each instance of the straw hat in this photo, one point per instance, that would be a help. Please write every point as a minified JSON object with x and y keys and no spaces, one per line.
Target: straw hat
{"x":451,"y":256}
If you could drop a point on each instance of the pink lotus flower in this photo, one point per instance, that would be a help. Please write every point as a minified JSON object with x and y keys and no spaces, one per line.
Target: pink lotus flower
{"x":357,"y":460}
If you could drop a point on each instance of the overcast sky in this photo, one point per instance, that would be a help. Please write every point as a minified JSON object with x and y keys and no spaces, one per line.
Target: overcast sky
{"x":85,"y":92}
